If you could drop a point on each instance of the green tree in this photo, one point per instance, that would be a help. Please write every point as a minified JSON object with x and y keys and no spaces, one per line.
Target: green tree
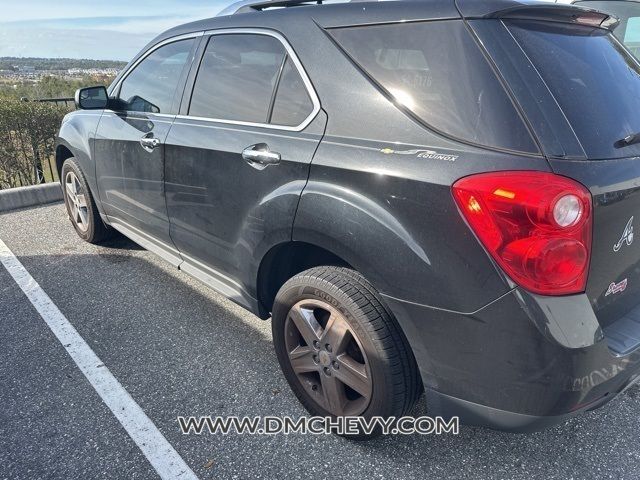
{"x":27,"y":140}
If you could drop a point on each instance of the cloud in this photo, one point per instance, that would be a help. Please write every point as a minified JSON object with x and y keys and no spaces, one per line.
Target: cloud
{"x":88,"y":29}
{"x":143,"y":25}
{"x":72,"y":43}
{"x":15,"y":10}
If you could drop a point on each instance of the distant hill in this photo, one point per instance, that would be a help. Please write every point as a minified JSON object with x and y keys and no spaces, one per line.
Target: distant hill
{"x":8,"y":63}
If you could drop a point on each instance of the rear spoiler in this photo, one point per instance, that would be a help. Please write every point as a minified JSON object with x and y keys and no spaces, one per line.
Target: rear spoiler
{"x":558,"y":13}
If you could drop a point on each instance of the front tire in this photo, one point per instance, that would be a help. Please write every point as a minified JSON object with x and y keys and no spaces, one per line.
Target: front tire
{"x":340,"y":349}
{"x":81,"y":207}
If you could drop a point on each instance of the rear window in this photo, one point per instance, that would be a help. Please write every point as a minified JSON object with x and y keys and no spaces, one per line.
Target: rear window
{"x":593,"y":78}
{"x":436,"y":70}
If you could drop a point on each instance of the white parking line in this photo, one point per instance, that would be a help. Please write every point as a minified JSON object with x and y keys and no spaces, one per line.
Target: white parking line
{"x":162,"y":456}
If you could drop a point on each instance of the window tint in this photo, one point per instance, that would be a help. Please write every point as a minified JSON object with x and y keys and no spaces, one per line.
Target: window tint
{"x":292,"y":103}
{"x":151,"y":86}
{"x":436,"y":70}
{"x":237,"y":77}
{"x":593,"y":79}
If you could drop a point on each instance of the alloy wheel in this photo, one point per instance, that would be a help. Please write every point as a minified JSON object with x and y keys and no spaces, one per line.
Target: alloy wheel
{"x":76,"y":201}
{"x":327,"y":358}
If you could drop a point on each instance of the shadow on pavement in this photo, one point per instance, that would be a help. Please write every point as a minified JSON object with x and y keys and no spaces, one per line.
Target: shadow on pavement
{"x":180,"y":349}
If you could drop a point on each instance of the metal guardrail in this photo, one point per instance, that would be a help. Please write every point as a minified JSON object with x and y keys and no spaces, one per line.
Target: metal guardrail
{"x":43,"y":165}
{"x":57,"y":101}
{"x":64,"y":100}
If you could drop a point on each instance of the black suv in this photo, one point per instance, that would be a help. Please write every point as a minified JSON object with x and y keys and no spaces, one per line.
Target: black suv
{"x":422,"y":195}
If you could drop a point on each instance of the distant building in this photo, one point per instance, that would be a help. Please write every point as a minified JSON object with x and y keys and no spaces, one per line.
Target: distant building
{"x":92,"y":71}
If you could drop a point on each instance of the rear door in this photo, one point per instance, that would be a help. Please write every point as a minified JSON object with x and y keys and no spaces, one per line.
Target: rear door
{"x":238,"y":156}
{"x":129,"y":149}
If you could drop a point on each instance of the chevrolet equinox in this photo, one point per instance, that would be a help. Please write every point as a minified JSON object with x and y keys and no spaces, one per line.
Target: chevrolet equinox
{"x":425,"y":196}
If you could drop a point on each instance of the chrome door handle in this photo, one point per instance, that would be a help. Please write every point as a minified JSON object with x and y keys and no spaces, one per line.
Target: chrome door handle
{"x":259,"y":156}
{"x":149,"y":143}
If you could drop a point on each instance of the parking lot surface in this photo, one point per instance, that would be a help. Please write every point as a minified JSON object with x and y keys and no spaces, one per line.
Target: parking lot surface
{"x":178,"y":348}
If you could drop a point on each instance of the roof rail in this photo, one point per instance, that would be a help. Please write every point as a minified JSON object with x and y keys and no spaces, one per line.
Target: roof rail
{"x":246,"y":6}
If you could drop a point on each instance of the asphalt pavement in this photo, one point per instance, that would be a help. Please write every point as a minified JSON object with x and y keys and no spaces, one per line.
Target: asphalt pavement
{"x":178,"y":348}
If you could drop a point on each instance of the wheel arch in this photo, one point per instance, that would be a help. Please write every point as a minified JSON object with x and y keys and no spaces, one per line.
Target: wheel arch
{"x":75,"y":139}
{"x":62,"y":153}
{"x":285,"y":260}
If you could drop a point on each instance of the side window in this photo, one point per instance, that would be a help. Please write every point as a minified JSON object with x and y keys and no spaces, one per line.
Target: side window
{"x":151,"y":86}
{"x":237,"y":76}
{"x":292,"y":103}
{"x":436,"y":70}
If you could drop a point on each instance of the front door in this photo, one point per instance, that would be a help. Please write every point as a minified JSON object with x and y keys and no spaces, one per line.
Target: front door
{"x":129,"y":146}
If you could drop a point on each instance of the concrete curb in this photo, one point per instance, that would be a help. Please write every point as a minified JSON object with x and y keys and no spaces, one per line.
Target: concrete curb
{"x":14,"y":198}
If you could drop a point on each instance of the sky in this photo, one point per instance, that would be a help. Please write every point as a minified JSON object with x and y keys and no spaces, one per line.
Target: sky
{"x":101,"y":30}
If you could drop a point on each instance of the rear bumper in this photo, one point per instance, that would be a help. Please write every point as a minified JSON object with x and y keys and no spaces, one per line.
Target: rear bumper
{"x":521,"y":363}
{"x":471,"y":413}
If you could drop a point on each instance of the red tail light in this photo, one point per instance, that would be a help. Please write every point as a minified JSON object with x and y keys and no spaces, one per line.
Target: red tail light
{"x":536,"y":225}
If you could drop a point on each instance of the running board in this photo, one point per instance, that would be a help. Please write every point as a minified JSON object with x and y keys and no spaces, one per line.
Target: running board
{"x":220,"y":283}
{"x":215,"y":280}
{"x":161,"y":249}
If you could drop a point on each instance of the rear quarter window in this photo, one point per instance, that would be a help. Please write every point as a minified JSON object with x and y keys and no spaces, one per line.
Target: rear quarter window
{"x":437,"y":71}
{"x":292,"y":104}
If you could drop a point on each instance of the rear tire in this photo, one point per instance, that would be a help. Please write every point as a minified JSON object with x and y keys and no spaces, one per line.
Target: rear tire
{"x":81,"y":206}
{"x":340,"y":349}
